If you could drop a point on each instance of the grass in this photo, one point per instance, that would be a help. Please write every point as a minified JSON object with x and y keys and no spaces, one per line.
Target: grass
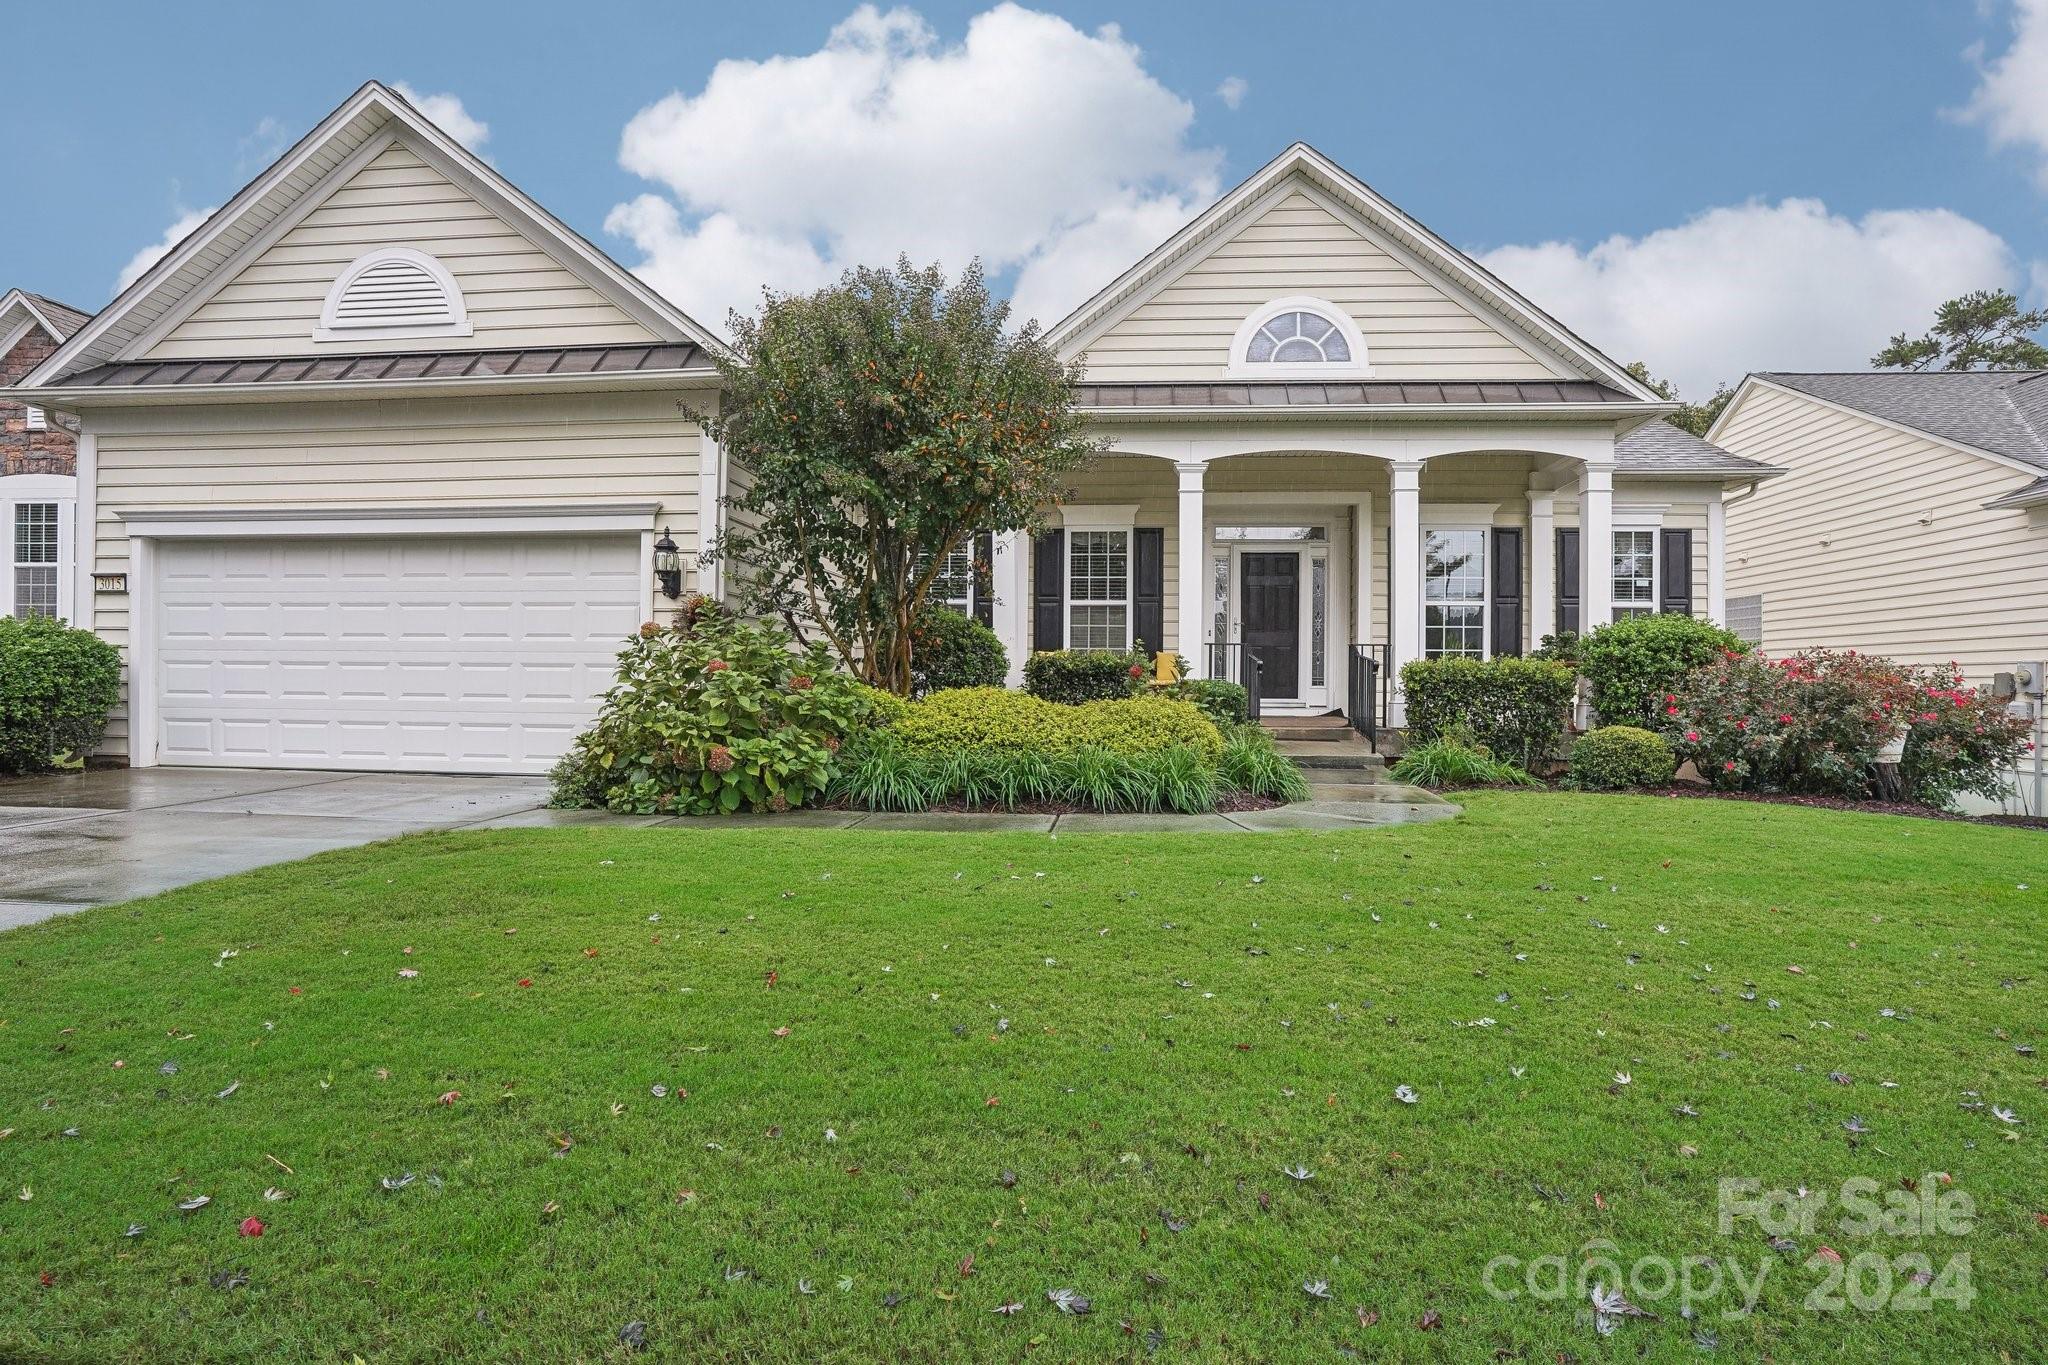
{"x":1130,"y":1024}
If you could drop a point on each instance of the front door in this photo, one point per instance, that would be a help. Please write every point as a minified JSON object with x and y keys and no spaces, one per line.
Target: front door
{"x":1271,"y":596}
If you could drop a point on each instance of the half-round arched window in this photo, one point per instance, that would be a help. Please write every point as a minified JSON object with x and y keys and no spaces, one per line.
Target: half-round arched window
{"x":392,"y":293}
{"x":1298,"y":337}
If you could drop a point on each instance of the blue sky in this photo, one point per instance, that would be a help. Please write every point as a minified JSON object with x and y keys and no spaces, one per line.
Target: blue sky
{"x":1535,"y":132}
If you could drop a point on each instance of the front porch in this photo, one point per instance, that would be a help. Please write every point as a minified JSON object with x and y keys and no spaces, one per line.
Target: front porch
{"x":1328,"y":569}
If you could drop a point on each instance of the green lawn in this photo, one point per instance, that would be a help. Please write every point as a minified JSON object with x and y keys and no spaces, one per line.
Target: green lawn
{"x":1129,"y":1024}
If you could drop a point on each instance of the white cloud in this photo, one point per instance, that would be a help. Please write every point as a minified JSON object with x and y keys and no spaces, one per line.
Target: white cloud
{"x":1032,"y":144}
{"x":2011,"y":98}
{"x":445,"y":112}
{"x":1233,"y":90}
{"x":141,"y":261}
{"x":261,"y":145}
{"x":1759,"y":286}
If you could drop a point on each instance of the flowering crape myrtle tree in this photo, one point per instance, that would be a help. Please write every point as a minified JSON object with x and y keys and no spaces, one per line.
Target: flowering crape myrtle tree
{"x":882,"y":422}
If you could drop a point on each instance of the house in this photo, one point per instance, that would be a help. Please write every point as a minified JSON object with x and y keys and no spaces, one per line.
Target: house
{"x":372,"y":466}
{"x":1912,"y":520}
{"x":38,"y":465}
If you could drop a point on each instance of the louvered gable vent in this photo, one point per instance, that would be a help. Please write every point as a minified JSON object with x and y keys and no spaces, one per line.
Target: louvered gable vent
{"x":393,"y":292}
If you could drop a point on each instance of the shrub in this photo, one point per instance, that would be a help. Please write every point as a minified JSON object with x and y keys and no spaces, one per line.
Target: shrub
{"x":1631,"y":663}
{"x":875,"y":709}
{"x":1072,"y":676}
{"x":950,"y":650}
{"x":1455,"y":760}
{"x":1561,"y":648}
{"x":1225,"y":703}
{"x":879,"y":771}
{"x":1817,"y":723}
{"x":1516,"y":708}
{"x":1960,"y":739}
{"x":989,"y":718}
{"x":56,"y":687}
{"x":1621,"y":756}
{"x":1252,"y":763}
{"x":711,"y":719}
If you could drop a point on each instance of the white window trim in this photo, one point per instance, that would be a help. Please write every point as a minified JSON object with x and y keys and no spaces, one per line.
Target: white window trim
{"x":1122,"y":518}
{"x":1485,"y":585}
{"x":332,"y":328}
{"x":1359,"y":366}
{"x":62,"y":490}
{"x":1638,"y":522}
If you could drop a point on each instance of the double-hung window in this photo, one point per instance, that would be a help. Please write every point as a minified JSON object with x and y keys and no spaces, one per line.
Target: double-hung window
{"x":34,"y":578}
{"x":1454,"y":594}
{"x":1099,"y":589}
{"x":1635,"y":573}
{"x":954,"y":585}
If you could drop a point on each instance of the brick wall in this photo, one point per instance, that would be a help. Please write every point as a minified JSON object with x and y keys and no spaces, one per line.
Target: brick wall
{"x":53,"y":451}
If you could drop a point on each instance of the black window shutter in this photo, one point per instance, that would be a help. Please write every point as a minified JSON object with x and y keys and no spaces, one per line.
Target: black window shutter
{"x":1568,"y":578}
{"x":1506,"y":569}
{"x":1049,"y":591}
{"x":1675,"y":549}
{"x":984,"y":577}
{"x":1148,"y":588}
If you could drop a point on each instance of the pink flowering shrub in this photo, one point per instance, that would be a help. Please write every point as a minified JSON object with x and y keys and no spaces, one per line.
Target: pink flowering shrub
{"x":1817,"y":722}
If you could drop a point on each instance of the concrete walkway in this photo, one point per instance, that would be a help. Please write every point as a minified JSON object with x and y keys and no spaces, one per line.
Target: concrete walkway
{"x":73,"y":840}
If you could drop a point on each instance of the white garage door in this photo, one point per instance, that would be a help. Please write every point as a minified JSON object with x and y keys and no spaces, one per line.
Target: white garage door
{"x":473,"y":653}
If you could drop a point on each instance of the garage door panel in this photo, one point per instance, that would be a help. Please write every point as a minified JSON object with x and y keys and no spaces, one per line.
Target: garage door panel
{"x":478,"y":654}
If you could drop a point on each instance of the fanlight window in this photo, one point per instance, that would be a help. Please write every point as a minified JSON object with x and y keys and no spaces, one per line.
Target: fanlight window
{"x":393,"y":292}
{"x":1298,"y":338}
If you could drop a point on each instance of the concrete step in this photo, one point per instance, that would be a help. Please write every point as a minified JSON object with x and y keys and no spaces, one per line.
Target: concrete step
{"x":1331,"y":754}
{"x":1309,"y":729}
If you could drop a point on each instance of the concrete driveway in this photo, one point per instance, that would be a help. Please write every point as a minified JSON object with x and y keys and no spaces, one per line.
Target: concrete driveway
{"x":73,"y":840}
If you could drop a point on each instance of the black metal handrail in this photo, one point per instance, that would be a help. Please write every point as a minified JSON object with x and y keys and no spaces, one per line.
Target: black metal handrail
{"x":1366,"y":696}
{"x":1234,"y":663}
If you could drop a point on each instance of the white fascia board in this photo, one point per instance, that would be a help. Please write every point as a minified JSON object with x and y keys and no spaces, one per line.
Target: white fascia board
{"x":213,"y":523}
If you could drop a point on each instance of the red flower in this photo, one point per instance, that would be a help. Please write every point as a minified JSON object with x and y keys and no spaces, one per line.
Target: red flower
{"x":1784,"y":720}
{"x":1692,"y":736}
{"x":1742,"y":722}
{"x":1670,"y":710}
{"x":1729,"y":766}
{"x":252,"y":1227}
{"x":525,"y":982}
{"x":800,"y":683}
{"x":1137,"y":670}
{"x":716,"y":666}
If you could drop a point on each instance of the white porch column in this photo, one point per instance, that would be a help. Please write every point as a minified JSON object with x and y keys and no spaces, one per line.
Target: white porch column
{"x":1007,"y":581}
{"x":1542,"y":590}
{"x":1717,"y":562}
{"x":1193,"y":566}
{"x":85,"y":533}
{"x":1404,"y":573}
{"x":710,"y":515}
{"x":1596,"y":546}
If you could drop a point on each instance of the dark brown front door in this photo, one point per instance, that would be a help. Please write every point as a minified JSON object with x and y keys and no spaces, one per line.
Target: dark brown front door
{"x":1272,"y":620}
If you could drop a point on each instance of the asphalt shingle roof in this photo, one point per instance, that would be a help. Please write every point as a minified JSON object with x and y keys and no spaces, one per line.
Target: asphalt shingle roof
{"x":66,"y":318}
{"x":1660,"y":448}
{"x":2004,"y":412}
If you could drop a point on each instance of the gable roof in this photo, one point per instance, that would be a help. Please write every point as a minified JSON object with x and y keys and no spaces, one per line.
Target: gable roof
{"x":203,"y":256}
{"x":1996,"y":412}
{"x":1523,"y":318}
{"x":60,"y":320}
{"x":1660,"y":450}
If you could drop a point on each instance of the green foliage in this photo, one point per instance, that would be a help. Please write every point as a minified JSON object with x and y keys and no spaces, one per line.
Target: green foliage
{"x":1632,"y":665}
{"x":879,"y":771}
{"x":1818,"y":722}
{"x":1560,"y":648}
{"x":949,"y":649}
{"x":991,"y":718}
{"x":1515,"y":707}
{"x":713,"y":719}
{"x":1224,"y":702}
{"x":877,"y":709}
{"x":57,"y":685}
{"x":1983,"y":330}
{"x":882,"y":422}
{"x":1696,"y":418}
{"x":1073,"y":676}
{"x":1253,"y":763}
{"x":1454,"y":759}
{"x":1621,"y":756}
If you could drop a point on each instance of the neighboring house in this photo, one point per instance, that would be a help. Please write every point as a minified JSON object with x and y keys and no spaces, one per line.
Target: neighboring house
{"x":38,"y":465}
{"x":1912,"y":520}
{"x":373,"y":463}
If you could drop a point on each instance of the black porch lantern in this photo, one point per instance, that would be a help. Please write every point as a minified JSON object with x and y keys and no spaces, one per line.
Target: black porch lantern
{"x":668,"y":566}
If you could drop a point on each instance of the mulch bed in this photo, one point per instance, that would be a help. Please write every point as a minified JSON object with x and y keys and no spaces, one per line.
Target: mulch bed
{"x":1234,"y":801}
{"x":1843,"y":803}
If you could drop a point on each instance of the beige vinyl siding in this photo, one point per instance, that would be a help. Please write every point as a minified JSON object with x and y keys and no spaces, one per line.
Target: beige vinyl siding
{"x":1877,"y":539}
{"x":1413,"y":328}
{"x":450,"y":454}
{"x":516,"y":294}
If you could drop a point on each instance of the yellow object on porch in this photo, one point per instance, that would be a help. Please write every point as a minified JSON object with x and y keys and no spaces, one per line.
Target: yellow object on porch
{"x":1164,"y":670}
